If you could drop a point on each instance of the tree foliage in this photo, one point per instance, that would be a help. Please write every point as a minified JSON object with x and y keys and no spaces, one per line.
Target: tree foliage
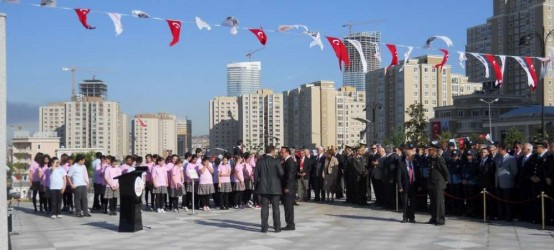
{"x":396,"y":138}
{"x":416,"y":127}
{"x":513,"y":134}
{"x":444,"y":137}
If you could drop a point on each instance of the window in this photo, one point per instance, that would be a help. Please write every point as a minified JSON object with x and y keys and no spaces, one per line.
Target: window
{"x":475,"y":113}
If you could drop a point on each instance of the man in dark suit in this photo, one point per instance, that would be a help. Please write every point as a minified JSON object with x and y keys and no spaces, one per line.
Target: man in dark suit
{"x":289,"y":187}
{"x":304,"y":169}
{"x":406,"y":178}
{"x":267,"y":183}
{"x":436,"y":183}
{"x":238,"y":149}
{"x":317,"y":174}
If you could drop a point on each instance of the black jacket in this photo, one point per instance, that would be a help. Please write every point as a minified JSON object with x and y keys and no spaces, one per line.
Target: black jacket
{"x":438,"y":173}
{"x":267,"y":176}
{"x":318,"y":166}
{"x":403,"y":176}
{"x":289,"y":178}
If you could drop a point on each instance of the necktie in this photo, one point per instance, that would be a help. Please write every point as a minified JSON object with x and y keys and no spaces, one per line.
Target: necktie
{"x":411,"y":172}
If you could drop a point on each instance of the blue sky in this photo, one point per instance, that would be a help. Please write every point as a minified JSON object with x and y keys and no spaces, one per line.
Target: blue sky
{"x":146,"y":76}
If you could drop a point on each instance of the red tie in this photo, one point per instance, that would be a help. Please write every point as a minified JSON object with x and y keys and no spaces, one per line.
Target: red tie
{"x":411,"y":172}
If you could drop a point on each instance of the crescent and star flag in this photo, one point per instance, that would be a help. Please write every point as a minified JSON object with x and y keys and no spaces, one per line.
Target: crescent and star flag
{"x":533,"y":72}
{"x":141,"y":123}
{"x":530,"y":78}
{"x":340,"y":51}
{"x":444,"y":59}
{"x":496,"y":68}
{"x":260,"y":34}
{"x":175,"y":27}
{"x":394,"y":53}
{"x":82,"y":14}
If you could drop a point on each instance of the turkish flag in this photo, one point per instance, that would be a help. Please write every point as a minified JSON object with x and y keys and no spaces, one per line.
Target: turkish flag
{"x":340,"y":51}
{"x":533,"y":72}
{"x":141,"y":123}
{"x":497,"y":71}
{"x":175,"y":27}
{"x":444,"y":59}
{"x":394,"y":53}
{"x":82,"y":14}
{"x":461,"y":143}
{"x":260,"y":34}
{"x":436,"y":128}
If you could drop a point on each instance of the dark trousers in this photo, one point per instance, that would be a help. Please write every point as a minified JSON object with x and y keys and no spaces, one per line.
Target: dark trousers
{"x":361,"y":191}
{"x":390,"y":191}
{"x":113,"y":204}
{"x":223,"y":200}
{"x":205,"y":200}
{"x":408,"y":202}
{"x":437,"y":205}
{"x":81,"y":200}
{"x":98,"y":201}
{"x":505,"y":210}
{"x":148,"y":193}
{"x":43,"y":201}
{"x":35,"y":193}
{"x":246,"y":195}
{"x":216,"y":195}
{"x":274,"y":200}
{"x":378,"y":189}
{"x":471,"y":208}
{"x":68,"y":197}
{"x":56,"y":201}
{"x":159,"y":201}
{"x":368,"y":190}
{"x":318,"y":188}
{"x":288,"y":202}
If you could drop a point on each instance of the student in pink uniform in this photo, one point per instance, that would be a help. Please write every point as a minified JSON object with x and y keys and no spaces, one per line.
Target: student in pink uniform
{"x":44,"y":193}
{"x":206,"y":186}
{"x":184,"y":203}
{"x":112,"y":185}
{"x":237,"y":178}
{"x":248,"y":173}
{"x":224,"y":172}
{"x":34,"y":177}
{"x":176,"y":184}
{"x":170,"y":162}
{"x":191,"y":166}
{"x":128,"y":163}
{"x":149,"y":186}
{"x":107,"y":163}
{"x":159,"y":177}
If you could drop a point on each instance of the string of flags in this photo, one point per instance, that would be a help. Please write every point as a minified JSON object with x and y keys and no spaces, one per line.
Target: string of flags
{"x":338,"y":45}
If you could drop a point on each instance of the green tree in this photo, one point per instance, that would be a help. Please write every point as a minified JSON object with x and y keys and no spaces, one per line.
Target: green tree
{"x":513,"y":134}
{"x":444,"y":137}
{"x":416,"y":127}
{"x":396,"y":138}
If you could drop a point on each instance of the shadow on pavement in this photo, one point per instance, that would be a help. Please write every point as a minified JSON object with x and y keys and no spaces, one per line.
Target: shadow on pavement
{"x":357,"y":217}
{"x":231,"y":224}
{"x":104,"y":225}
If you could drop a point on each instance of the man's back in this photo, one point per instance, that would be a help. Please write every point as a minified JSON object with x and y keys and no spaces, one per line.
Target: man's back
{"x":268,"y":175}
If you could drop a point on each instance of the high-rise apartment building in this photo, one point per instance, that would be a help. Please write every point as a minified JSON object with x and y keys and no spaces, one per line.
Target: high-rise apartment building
{"x":261,"y":119}
{"x":501,"y":35}
{"x":243,"y":78}
{"x":350,"y":104}
{"x":224,"y":122}
{"x":93,"y":88}
{"x":154,"y":134}
{"x":390,"y":94}
{"x":87,"y":122}
{"x":184,"y":136}
{"x":461,"y":85}
{"x":354,"y":75}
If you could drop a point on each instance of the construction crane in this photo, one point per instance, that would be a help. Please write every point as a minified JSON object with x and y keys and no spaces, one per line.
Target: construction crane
{"x":17,"y":127}
{"x":73,"y":69}
{"x":350,"y":24}
{"x":252,"y":52}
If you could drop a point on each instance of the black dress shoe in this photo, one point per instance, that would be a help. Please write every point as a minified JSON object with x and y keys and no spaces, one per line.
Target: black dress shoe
{"x":288,"y":228}
{"x":278,"y":231}
{"x":88,"y":215}
{"x":430,"y":222}
{"x":403,"y":221}
{"x":412,"y":221}
{"x":263,"y":230}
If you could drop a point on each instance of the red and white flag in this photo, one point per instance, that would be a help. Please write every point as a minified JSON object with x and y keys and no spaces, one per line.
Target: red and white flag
{"x":175,"y":27}
{"x":340,"y":51}
{"x":82,"y":14}
{"x":531,"y":79}
{"x":141,"y":123}
{"x":533,"y":71}
{"x":444,"y":59}
{"x":260,"y":34}
{"x":394,"y":54}
{"x":497,"y":71}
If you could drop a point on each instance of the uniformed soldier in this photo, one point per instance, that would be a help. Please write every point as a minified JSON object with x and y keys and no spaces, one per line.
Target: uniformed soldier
{"x":438,"y":178}
{"x":349,"y":175}
{"x":454,"y":206}
{"x":469,"y":182}
{"x":360,"y":168}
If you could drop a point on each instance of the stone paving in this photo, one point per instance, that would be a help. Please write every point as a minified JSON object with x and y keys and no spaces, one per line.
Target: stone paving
{"x":318,"y":226}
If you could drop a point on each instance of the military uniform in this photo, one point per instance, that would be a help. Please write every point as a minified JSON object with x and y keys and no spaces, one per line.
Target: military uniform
{"x":436,"y":183}
{"x":359,"y":165}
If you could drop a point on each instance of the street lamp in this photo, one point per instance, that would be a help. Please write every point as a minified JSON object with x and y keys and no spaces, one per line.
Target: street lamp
{"x":490,"y":121}
{"x":525,"y":40}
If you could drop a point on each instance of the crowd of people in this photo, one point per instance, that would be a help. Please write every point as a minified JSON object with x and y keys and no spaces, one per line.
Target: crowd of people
{"x":438,"y":179}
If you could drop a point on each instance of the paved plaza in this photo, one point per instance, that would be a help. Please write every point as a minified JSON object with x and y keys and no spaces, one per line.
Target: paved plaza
{"x":319,"y":226}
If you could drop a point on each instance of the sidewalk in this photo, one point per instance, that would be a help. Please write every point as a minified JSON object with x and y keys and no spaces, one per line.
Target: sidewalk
{"x":318,"y":226}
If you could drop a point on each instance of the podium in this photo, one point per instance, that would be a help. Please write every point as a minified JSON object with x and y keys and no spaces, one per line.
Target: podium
{"x":130,"y":192}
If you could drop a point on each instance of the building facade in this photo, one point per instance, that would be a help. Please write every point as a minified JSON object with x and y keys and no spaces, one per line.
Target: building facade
{"x":87,"y":122}
{"x":27,"y":145}
{"x":94,"y":88}
{"x":154,"y":134}
{"x":390,"y":93}
{"x":224,"y":122}
{"x":501,"y":35}
{"x":350,"y":104}
{"x":243,"y":78}
{"x":354,"y":75}
{"x":184,"y":136}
